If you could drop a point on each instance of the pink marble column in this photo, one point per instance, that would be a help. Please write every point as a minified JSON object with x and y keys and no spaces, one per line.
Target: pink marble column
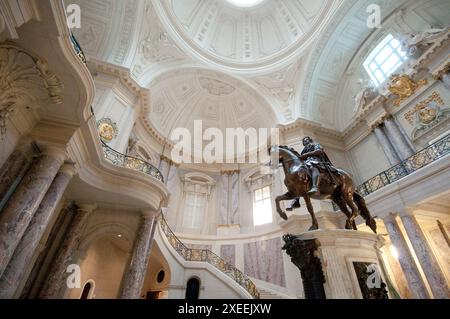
{"x":427,"y":260}
{"x":56,"y":278}
{"x":399,"y":142}
{"x":135,"y":276}
{"x":22,"y":205}
{"x":386,"y":145}
{"x":412,"y":274}
{"x":18,"y":266}
{"x":13,"y":166}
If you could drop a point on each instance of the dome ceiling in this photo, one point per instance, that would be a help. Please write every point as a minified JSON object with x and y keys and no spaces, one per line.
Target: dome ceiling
{"x":243,"y":33}
{"x":220,"y":101}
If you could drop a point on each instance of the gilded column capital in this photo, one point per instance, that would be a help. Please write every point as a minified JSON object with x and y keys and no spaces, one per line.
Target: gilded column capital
{"x":230,"y":172}
{"x":439,"y":74}
{"x":379,"y":121}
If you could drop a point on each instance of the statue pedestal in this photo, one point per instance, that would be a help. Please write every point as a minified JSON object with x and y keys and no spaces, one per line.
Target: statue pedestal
{"x":346,"y":263}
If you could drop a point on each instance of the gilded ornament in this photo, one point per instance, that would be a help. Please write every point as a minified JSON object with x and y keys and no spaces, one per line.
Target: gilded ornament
{"x":403,"y":87}
{"x":107,"y":129}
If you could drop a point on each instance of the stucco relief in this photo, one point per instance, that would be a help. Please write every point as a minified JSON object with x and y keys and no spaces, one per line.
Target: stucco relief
{"x":427,"y":114}
{"x":25,"y":81}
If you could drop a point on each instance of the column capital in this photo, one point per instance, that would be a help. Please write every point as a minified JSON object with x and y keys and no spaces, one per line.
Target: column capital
{"x":148,"y":213}
{"x":55,"y":151}
{"x":86,"y":208}
{"x":405,"y":212}
{"x":390,"y":217}
{"x":68,"y":169}
{"x":24,"y":144}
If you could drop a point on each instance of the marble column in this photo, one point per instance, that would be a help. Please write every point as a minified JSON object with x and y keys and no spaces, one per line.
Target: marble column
{"x":224,"y":200}
{"x":164,"y":167}
{"x":234,"y":200}
{"x":427,"y":260}
{"x":13,"y":166}
{"x":38,"y":274}
{"x":386,"y":145}
{"x":24,"y":252}
{"x":135,"y":276}
{"x":406,"y":260}
{"x":66,"y":255}
{"x":22,"y":205}
{"x":396,"y":136}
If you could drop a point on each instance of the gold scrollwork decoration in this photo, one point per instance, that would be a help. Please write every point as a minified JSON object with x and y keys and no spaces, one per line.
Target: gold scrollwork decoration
{"x":423,"y":110}
{"x":403,"y":87}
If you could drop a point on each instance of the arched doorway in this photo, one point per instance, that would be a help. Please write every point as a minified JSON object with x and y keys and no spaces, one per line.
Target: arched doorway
{"x":88,"y":290}
{"x":192,"y":289}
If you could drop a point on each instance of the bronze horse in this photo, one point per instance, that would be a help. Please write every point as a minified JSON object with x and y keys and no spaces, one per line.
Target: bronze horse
{"x":341,"y":190}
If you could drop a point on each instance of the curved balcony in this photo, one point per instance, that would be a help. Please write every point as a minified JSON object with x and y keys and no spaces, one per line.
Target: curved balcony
{"x":417,"y":161}
{"x":130,"y":162}
{"x":77,"y":48}
{"x":205,"y":255}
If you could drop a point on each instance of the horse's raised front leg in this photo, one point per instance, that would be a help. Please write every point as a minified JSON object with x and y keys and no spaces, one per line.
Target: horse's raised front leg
{"x":286,"y":196}
{"x":315,"y":224}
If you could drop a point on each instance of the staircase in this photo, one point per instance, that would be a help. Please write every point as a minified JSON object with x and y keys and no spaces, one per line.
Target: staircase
{"x":205,"y":255}
{"x":269,"y":293}
{"x":266,"y":294}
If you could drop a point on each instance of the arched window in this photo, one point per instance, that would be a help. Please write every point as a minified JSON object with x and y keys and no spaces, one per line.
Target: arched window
{"x":87,"y":290}
{"x":262,"y":206}
{"x":192,"y":289}
{"x":197,"y":189}
{"x":384,"y":59}
{"x":260,"y":185}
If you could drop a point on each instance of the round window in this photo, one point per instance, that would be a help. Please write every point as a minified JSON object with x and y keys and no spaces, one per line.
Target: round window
{"x":161,"y":276}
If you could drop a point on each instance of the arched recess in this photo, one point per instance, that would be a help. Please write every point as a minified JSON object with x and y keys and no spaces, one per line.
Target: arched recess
{"x":193,"y":288}
{"x":103,"y":256}
{"x":88,"y":290}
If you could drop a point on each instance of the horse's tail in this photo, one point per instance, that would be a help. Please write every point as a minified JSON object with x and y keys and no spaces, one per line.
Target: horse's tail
{"x":364,"y":211}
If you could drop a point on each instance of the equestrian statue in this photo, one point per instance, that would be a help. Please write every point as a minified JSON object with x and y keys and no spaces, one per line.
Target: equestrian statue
{"x":312,"y":175}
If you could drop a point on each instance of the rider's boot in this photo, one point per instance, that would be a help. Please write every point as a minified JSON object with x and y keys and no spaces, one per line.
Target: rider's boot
{"x":314,"y":190}
{"x":295,"y":204}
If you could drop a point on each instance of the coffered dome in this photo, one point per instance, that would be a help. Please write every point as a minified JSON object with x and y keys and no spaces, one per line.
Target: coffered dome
{"x":220,"y":101}
{"x":243,"y":33}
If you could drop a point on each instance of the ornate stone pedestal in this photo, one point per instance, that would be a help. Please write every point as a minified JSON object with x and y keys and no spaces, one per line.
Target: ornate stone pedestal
{"x":338,"y":264}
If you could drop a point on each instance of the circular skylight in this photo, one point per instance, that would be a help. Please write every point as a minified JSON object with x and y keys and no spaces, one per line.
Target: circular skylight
{"x":245,"y":3}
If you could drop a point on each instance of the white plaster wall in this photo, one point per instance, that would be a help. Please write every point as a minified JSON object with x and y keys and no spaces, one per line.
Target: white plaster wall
{"x":105,"y":264}
{"x":368,"y":159}
{"x":116,"y":102}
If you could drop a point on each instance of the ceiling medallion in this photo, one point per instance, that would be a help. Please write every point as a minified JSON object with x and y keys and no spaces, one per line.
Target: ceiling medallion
{"x":403,"y":86}
{"x":107,"y":129}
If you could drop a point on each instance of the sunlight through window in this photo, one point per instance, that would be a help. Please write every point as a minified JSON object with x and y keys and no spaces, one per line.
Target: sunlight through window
{"x":262,"y":206}
{"x":384,"y":60}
